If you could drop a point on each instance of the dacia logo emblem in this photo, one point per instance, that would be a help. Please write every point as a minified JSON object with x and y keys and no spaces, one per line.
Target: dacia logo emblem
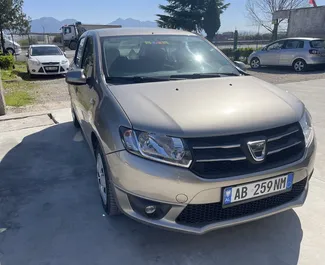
{"x":257,"y":150}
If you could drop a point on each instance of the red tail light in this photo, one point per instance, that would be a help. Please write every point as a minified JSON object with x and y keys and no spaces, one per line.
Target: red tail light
{"x":313,"y":51}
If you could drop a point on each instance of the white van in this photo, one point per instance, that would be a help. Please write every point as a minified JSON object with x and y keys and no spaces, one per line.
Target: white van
{"x":11,"y":46}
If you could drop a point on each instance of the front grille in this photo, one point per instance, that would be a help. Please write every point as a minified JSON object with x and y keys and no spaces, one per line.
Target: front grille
{"x":204,"y":214}
{"x":51,"y":63}
{"x":226,"y":156}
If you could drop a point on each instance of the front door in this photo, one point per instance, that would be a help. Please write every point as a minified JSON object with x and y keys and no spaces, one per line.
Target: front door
{"x":74,"y":89}
{"x":271,"y":54}
{"x":87,"y":96}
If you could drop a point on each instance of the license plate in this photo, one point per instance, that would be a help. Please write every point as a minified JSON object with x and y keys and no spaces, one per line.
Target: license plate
{"x":51,"y":68}
{"x":232,"y":195}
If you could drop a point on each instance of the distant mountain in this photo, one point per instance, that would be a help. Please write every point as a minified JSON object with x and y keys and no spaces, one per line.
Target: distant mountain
{"x":130,"y":23}
{"x":52,"y":25}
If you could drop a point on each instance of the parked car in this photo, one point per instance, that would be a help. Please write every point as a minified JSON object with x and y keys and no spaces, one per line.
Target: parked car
{"x":296,"y":52}
{"x":11,"y":46}
{"x":46,"y":60}
{"x":183,"y":139}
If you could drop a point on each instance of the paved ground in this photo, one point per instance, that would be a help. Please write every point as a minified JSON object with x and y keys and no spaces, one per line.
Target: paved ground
{"x":50,"y":212}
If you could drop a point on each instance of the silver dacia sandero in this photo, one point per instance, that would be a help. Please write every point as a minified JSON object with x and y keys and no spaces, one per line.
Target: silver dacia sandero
{"x":183,"y":138}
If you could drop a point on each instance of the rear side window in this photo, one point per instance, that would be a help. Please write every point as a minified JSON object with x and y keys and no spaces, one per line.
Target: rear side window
{"x":294,"y":44}
{"x":320,"y":44}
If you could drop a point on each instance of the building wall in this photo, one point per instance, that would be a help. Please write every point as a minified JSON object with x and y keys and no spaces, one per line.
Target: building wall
{"x":307,"y":22}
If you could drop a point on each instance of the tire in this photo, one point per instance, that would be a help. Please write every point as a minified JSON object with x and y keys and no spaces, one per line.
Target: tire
{"x":73,"y":45}
{"x":10,"y":51}
{"x":105,"y":186}
{"x":299,"y":65}
{"x":75,"y":121}
{"x":255,"y":63}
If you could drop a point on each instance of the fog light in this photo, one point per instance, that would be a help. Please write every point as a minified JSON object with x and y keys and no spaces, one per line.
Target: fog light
{"x":150,"y":209}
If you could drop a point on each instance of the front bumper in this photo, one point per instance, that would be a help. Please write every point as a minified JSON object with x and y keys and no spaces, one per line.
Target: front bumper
{"x":179,"y":187}
{"x":43,"y":69}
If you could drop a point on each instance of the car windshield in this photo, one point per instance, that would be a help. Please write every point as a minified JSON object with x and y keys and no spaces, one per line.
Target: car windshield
{"x":158,"y":56}
{"x":317,"y":44}
{"x":46,"y":50}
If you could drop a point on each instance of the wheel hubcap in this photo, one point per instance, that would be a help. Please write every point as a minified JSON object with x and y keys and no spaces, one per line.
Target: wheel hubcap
{"x":299,"y":66}
{"x":101,"y":179}
{"x":255,"y":63}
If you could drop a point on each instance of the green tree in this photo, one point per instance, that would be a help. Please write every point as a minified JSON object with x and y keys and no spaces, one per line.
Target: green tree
{"x":12,"y":18}
{"x":192,"y":15}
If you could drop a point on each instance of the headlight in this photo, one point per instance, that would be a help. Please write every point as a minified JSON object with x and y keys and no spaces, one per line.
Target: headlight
{"x":307,"y":127}
{"x":64,"y":61}
{"x":157,"y":147}
{"x":34,"y":62}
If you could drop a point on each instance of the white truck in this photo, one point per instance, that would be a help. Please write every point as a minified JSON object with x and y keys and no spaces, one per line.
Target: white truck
{"x":71,"y":33}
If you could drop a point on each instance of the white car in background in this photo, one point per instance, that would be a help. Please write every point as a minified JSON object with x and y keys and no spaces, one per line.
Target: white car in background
{"x":11,"y":46}
{"x":46,"y":60}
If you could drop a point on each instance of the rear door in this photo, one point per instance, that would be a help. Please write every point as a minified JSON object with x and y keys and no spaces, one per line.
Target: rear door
{"x":271,"y":53}
{"x":292,"y":49}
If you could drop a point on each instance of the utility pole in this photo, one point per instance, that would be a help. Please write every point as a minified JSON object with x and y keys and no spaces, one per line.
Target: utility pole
{"x":2,"y":99}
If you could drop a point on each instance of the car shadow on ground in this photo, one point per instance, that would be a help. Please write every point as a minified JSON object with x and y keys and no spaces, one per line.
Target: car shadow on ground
{"x":51,"y":209}
{"x":281,"y":70}
{"x":26,"y":77}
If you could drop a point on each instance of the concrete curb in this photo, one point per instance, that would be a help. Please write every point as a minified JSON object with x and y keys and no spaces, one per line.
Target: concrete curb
{"x":23,"y":115}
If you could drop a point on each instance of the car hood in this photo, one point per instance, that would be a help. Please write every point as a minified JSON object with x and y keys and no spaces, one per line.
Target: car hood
{"x":49,"y":58}
{"x":207,"y":107}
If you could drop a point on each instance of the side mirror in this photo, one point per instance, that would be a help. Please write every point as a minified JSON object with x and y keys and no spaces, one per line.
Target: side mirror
{"x":76,"y":77}
{"x":65,"y":54}
{"x":241,"y":65}
{"x":27,"y":55}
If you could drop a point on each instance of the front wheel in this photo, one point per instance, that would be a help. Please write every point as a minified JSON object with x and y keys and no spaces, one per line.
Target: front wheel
{"x":10,"y":51}
{"x":299,"y":65}
{"x":73,"y":45}
{"x":255,"y":63}
{"x":105,"y":185}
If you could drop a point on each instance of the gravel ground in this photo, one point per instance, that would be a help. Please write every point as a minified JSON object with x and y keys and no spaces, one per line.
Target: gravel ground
{"x":52,"y":92}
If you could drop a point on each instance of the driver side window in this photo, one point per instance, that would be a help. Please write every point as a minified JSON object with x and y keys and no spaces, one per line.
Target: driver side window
{"x":88,"y":58}
{"x":275,"y":46}
{"x":78,"y":55}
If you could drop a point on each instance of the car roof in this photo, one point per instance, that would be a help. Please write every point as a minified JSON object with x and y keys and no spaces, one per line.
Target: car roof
{"x":138,"y":31}
{"x":43,"y":45}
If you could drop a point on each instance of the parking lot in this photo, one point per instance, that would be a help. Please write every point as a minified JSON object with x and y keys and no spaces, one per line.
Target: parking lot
{"x":50,"y":211}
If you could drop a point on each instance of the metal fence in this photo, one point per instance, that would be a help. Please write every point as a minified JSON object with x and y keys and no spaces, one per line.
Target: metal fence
{"x":37,"y":38}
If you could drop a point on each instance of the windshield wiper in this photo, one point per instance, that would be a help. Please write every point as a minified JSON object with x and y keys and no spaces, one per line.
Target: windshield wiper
{"x":196,"y":75}
{"x":203,"y":75}
{"x":138,"y":79}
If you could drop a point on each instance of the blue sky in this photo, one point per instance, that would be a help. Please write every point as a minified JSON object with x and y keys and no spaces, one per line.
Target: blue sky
{"x":105,"y":11}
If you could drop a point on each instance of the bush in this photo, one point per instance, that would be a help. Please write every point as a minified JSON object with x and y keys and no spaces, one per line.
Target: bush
{"x":239,"y":54}
{"x":6,"y":62}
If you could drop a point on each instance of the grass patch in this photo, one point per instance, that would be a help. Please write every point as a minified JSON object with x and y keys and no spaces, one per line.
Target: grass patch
{"x":18,"y":93}
{"x":18,"y":98}
{"x":12,"y":74}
